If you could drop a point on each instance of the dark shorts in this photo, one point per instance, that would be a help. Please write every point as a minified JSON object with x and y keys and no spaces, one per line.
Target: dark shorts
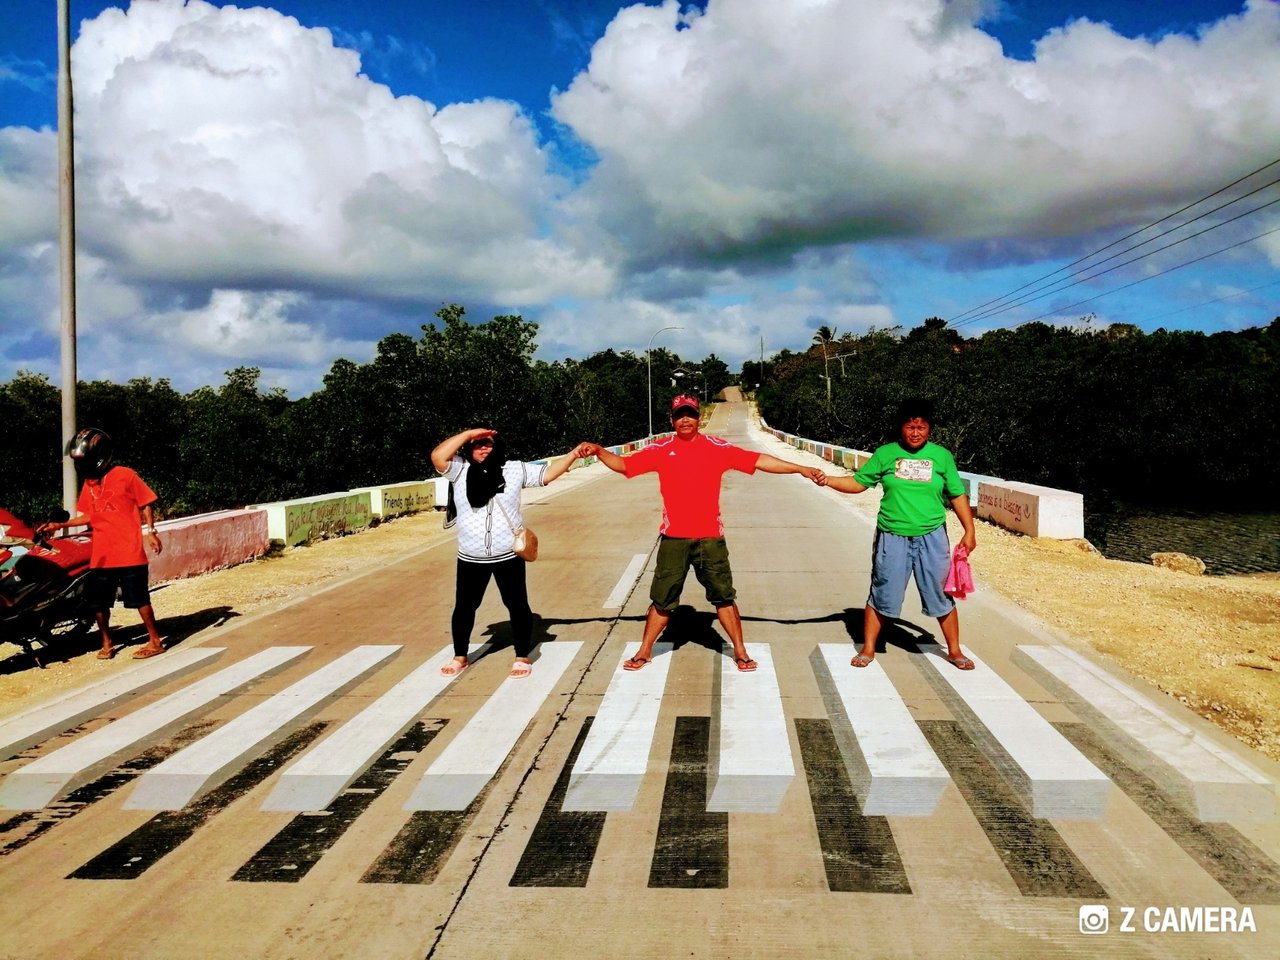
{"x":100,"y":589}
{"x":709,"y":558}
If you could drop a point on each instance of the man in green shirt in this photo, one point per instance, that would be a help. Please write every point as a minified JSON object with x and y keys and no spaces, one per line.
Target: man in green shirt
{"x":911,"y":528}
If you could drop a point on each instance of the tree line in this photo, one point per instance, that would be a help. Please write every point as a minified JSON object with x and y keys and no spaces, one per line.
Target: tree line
{"x":370,"y":423}
{"x":1169,"y":418}
{"x":1163,"y":419}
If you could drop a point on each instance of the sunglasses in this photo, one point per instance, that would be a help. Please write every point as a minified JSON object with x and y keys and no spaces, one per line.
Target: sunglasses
{"x":477,"y":444}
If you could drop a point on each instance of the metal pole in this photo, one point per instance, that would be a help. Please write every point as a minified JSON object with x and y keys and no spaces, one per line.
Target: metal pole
{"x":826,"y":371}
{"x":648,"y":355}
{"x":67,"y":250}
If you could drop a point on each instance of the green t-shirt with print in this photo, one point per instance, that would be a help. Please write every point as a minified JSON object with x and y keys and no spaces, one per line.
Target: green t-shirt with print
{"x":914,"y":487}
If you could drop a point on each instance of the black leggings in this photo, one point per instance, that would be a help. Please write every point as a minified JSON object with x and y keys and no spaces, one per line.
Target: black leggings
{"x":473,"y":579}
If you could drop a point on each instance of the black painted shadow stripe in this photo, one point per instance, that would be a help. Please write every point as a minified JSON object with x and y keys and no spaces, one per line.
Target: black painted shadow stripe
{"x":858,"y":852}
{"x":417,"y":852}
{"x":692,"y":848}
{"x":1034,"y":853}
{"x":19,"y":830}
{"x":562,"y":844}
{"x":166,"y":831}
{"x":1224,"y":853}
{"x":290,"y":854}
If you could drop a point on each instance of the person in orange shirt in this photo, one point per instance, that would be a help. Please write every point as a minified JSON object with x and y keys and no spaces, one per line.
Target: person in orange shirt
{"x":116,"y":503}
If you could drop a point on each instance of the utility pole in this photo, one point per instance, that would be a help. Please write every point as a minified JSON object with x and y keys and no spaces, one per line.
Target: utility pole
{"x":67,"y":251}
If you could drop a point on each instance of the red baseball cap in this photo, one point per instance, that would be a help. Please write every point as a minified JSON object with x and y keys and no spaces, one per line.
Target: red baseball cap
{"x":683,"y":401}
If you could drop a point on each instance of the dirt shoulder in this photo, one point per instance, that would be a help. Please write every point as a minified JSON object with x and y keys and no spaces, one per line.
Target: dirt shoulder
{"x":1211,"y":642}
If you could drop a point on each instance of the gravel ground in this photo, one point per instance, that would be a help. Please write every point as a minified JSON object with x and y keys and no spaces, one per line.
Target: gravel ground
{"x":1211,"y":642}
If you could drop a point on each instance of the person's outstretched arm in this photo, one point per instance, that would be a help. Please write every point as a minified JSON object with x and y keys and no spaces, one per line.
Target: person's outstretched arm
{"x":607,"y":457}
{"x":773,"y":465}
{"x":844,"y":484}
{"x":558,"y":468}
{"x":448,"y":449}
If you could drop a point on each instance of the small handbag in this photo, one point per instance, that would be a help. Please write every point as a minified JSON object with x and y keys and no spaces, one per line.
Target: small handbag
{"x":526,"y":543}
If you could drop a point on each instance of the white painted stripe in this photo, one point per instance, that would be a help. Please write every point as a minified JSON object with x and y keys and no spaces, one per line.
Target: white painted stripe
{"x":326,"y":770}
{"x":897,"y":774}
{"x":750,"y":765}
{"x":1219,"y":786}
{"x":615,"y":755}
{"x":627,"y":582}
{"x":40,"y":781}
{"x":1060,"y":780}
{"x":473,"y":757}
{"x":207,"y":762}
{"x":64,"y":712}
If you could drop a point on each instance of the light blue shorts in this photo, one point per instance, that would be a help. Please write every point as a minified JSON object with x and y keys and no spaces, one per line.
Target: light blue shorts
{"x":895,"y":559}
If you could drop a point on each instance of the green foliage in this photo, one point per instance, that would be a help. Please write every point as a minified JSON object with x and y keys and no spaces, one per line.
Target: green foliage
{"x":1168,"y":418}
{"x":370,"y":423}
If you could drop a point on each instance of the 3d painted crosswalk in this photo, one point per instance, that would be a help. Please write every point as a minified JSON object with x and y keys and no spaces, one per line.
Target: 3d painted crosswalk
{"x":204,"y":764}
{"x":894,"y":770}
{"x":327,"y":769}
{"x":869,"y":760}
{"x":474,"y":756}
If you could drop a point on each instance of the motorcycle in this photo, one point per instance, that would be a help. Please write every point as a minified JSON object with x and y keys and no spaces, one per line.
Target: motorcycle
{"x":42,"y":583}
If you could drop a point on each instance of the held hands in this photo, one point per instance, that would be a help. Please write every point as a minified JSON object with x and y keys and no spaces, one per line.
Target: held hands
{"x":816,"y":474}
{"x":587,"y":449}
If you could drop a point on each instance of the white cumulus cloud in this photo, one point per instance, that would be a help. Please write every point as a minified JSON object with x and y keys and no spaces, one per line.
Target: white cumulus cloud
{"x":760,"y":128}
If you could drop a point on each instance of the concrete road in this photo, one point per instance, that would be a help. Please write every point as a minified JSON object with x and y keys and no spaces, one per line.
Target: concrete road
{"x":1036,"y":807}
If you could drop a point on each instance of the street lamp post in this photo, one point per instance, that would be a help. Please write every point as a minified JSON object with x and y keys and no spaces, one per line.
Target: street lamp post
{"x":648,"y":355}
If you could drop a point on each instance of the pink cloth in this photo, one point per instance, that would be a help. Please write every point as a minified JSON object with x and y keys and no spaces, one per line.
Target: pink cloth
{"x":959,"y":577}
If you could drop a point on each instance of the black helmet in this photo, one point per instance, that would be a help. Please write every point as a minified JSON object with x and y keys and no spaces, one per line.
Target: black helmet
{"x":90,"y":450}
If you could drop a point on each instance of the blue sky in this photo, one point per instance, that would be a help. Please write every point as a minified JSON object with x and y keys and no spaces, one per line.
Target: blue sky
{"x":282,"y":186}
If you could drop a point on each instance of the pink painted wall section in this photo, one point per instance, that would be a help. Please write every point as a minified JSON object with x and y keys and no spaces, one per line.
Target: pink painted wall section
{"x":209,"y":541}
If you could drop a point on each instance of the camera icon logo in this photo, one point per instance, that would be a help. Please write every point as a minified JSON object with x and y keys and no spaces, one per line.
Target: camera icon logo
{"x":1094,"y":918}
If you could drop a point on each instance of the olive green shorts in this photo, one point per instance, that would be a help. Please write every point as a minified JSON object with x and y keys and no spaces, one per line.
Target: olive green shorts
{"x":709,"y":558}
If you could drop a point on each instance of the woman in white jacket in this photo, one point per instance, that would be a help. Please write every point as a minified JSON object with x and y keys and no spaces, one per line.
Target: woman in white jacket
{"x":484,"y":502}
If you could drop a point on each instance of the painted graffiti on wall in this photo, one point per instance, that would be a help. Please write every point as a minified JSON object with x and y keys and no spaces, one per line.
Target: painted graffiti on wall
{"x":331,"y":517}
{"x":1009,"y":508}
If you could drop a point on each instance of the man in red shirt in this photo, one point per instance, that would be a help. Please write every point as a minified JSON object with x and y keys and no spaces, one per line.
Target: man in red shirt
{"x":689,"y":467}
{"x":116,"y":504}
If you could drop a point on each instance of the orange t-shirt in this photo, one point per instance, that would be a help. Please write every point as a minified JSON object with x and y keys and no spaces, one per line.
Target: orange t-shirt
{"x":112,"y":506}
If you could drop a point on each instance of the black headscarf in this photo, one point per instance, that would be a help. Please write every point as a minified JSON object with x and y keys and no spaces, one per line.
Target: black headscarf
{"x":483,"y":479}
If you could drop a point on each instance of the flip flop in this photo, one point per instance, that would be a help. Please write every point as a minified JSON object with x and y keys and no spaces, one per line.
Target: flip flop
{"x":636,"y":663}
{"x":146,"y":652}
{"x":861,"y":660}
{"x":107,"y":654}
{"x":521,"y":669}
{"x":457,"y":668}
{"x":960,"y":663}
{"x":745,"y":664}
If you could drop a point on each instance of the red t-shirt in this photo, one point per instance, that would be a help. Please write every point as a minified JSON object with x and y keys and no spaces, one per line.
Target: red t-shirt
{"x":689,"y":473}
{"x":112,"y":505}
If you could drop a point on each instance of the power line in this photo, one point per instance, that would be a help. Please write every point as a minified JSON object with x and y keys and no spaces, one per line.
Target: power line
{"x":1089,"y":256}
{"x":1100,"y":273}
{"x":1072,"y":306}
{"x":1205,"y":303}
